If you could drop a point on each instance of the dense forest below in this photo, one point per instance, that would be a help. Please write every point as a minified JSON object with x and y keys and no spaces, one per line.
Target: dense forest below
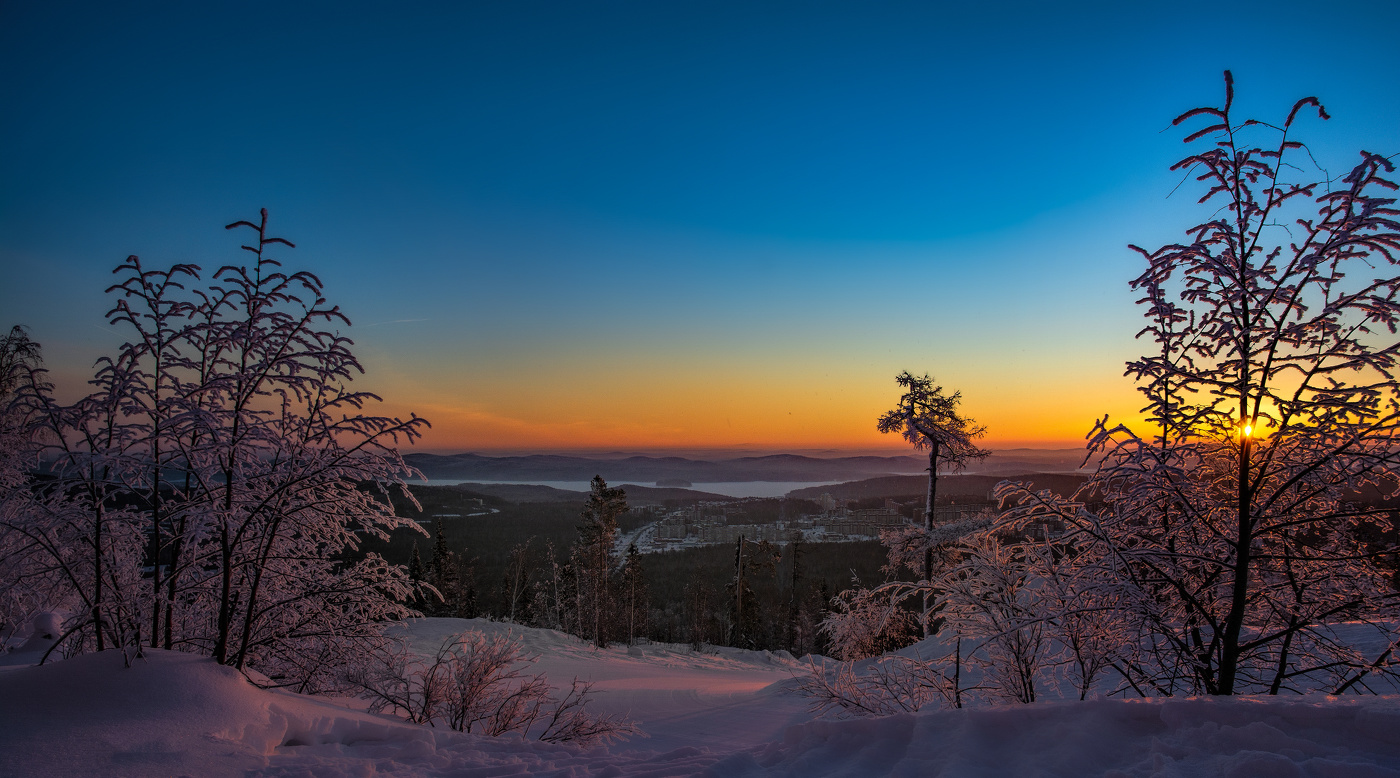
{"x":687,"y":589}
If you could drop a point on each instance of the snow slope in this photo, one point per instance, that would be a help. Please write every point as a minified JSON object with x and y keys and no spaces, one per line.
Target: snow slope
{"x":719,"y":699}
{"x":726,"y":713}
{"x":1241,"y":738}
{"x":176,"y":714}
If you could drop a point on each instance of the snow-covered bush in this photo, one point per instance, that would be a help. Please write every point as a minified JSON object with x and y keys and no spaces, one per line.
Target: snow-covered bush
{"x":866,"y":623}
{"x":477,"y":683}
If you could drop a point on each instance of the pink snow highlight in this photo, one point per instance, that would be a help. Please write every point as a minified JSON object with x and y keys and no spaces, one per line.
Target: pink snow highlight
{"x":726,"y":713}
{"x":1241,"y":737}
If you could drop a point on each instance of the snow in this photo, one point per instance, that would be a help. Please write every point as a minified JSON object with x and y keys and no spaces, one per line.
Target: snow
{"x":718,"y":699}
{"x":1111,"y":738}
{"x":719,"y":712}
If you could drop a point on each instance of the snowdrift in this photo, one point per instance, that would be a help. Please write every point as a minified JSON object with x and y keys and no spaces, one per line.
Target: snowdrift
{"x":725,"y":713}
{"x":181,"y":715}
{"x":1239,"y":738}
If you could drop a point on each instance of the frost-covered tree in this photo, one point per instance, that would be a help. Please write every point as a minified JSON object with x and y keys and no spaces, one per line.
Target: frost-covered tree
{"x":1239,"y":547}
{"x":27,"y":584}
{"x":929,"y":419}
{"x":221,"y":450}
{"x":1238,"y":534}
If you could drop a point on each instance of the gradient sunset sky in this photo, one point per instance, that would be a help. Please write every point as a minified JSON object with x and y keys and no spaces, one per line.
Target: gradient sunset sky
{"x":661,"y":225}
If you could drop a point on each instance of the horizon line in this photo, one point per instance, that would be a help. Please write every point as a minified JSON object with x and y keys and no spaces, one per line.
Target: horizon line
{"x":738,"y":451}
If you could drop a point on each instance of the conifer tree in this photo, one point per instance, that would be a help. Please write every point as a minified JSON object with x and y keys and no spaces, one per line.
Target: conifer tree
{"x":464,"y":602}
{"x":635,"y":605}
{"x":792,"y":628}
{"x":750,"y":559}
{"x":415,"y":565}
{"x":444,"y":574}
{"x":595,"y":559}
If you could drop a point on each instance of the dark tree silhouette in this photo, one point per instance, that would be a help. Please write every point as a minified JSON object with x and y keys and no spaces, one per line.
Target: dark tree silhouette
{"x":1234,"y":537}
{"x":595,"y":559}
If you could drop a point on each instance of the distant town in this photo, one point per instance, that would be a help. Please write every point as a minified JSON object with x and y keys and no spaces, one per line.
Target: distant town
{"x":721,"y":523}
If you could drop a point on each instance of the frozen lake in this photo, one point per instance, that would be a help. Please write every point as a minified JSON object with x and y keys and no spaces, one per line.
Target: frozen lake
{"x":728,"y":488}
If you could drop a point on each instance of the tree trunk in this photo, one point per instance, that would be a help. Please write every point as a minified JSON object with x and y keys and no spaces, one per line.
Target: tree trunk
{"x":1239,"y":589}
{"x":155,"y":548}
{"x":97,"y":574}
{"x":928,"y":526}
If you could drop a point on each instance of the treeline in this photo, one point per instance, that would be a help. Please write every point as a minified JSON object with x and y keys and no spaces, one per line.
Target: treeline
{"x":541,"y":564}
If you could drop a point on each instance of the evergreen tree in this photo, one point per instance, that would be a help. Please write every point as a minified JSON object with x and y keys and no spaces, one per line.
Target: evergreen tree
{"x":634,"y":594}
{"x":594,"y":559}
{"x":464,"y":603}
{"x":415,"y":565}
{"x":445,"y":575}
{"x":821,"y":643}
{"x":749,"y":559}
{"x":792,"y":629}
{"x":699,"y":614}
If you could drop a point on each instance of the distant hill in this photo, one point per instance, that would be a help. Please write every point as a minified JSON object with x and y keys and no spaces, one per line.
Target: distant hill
{"x":636,"y":495}
{"x":1016,"y":461}
{"x":957,"y":487}
{"x":676,"y":470}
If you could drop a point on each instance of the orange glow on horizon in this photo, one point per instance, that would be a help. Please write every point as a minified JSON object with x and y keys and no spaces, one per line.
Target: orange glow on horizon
{"x":637,"y":412}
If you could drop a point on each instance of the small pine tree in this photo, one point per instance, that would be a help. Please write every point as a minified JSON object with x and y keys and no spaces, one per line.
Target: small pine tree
{"x":634,"y":594}
{"x":749,"y":559}
{"x":444,"y":575}
{"x":793,"y":627}
{"x":595,"y":560}
{"x":464,"y":605}
{"x":415,"y":565}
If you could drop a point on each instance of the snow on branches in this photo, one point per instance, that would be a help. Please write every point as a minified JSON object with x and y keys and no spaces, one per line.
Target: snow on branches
{"x":211,"y":491}
{"x":1244,"y":545}
{"x":1244,"y":526}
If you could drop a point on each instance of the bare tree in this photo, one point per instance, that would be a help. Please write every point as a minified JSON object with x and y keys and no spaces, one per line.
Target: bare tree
{"x":221,"y":450}
{"x":516,"y":583}
{"x":1238,"y":533}
{"x":27,"y":584}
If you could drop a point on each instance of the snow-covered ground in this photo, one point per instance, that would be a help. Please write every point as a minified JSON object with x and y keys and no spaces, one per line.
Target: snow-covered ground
{"x":728,"y":712}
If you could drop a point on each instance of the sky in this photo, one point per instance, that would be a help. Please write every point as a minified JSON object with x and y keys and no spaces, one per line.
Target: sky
{"x":661,"y":226}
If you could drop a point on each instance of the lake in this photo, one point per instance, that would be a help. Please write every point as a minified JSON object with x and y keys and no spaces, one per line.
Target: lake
{"x":728,"y":488}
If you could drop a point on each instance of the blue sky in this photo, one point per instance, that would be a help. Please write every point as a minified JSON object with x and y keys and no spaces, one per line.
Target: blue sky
{"x":565,"y":225}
